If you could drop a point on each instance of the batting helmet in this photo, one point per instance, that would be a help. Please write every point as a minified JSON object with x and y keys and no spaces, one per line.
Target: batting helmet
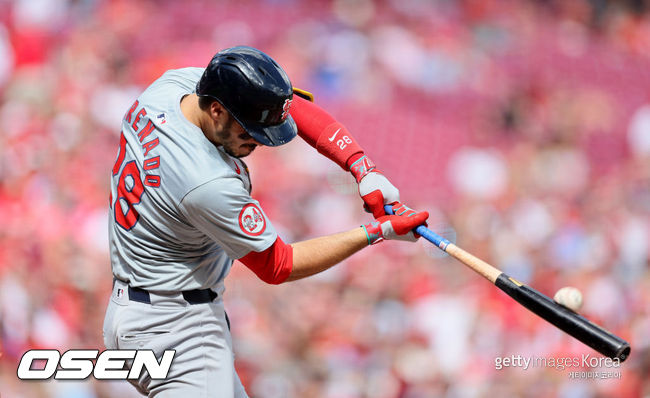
{"x":255,"y":90}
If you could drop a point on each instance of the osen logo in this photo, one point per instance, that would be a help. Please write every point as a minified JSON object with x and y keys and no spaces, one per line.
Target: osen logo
{"x":251,"y":220}
{"x":80,"y":364}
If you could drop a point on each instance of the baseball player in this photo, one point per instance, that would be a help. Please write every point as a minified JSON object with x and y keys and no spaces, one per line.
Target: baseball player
{"x":181,"y":212}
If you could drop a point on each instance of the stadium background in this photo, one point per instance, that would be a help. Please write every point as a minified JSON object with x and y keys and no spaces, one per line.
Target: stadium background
{"x":522,"y":126}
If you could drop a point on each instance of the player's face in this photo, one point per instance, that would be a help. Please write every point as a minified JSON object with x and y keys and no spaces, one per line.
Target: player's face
{"x":235,"y":140}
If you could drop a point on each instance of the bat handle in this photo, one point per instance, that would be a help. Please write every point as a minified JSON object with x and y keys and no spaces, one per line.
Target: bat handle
{"x":425,"y":232}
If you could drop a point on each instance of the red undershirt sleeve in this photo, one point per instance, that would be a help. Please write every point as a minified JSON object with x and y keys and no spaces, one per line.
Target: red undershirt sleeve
{"x":272,"y":265}
{"x":320,"y":130}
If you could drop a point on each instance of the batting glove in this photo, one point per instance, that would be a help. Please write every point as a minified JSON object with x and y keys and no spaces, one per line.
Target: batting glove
{"x":374,"y":188}
{"x":396,"y":227}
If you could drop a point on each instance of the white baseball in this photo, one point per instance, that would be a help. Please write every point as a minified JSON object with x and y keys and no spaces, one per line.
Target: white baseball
{"x":569,"y":297}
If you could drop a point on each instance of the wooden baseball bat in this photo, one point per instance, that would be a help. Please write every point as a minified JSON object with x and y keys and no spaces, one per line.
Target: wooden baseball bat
{"x":563,"y":318}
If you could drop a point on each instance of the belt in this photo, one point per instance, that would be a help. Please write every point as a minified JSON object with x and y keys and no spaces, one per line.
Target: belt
{"x":191,"y":296}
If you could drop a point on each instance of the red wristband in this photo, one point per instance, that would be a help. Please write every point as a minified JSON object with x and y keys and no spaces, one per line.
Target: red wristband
{"x":361,"y":167}
{"x":373,"y":232}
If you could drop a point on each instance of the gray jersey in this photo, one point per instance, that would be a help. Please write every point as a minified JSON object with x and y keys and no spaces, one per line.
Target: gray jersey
{"x":181,"y":209}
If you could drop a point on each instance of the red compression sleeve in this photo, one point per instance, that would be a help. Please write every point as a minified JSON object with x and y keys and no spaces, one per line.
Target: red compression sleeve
{"x":320,"y":130}
{"x":272,"y":265}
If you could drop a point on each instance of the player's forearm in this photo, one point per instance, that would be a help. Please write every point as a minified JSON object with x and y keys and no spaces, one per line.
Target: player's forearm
{"x":316,"y":255}
{"x":320,"y":130}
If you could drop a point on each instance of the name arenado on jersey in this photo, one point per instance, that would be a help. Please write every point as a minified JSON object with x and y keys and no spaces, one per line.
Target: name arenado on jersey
{"x":150,"y":163}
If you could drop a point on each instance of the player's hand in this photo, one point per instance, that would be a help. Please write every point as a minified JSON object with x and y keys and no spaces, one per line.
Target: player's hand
{"x":398,"y":226}
{"x":374,"y":188}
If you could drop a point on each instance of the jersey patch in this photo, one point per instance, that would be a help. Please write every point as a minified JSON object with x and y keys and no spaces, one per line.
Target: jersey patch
{"x":251,"y":220}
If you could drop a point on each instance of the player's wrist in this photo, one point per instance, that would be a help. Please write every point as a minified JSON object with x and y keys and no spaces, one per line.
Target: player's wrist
{"x":353,"y":158}
{"x":361,"y":167}
{"x":373,"y":231}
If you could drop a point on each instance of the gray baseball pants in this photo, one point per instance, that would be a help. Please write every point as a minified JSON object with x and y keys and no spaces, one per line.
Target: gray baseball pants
{"x":203,"y":365}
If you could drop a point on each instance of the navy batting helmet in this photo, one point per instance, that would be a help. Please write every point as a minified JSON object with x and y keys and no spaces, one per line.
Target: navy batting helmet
{"x":255,"y":90}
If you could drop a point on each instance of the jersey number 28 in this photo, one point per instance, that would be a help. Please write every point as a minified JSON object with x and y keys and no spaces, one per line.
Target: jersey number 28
{"x":129,"y":189}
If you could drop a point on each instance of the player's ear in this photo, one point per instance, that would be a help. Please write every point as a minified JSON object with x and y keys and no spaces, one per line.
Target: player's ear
{"x":217,"y":110}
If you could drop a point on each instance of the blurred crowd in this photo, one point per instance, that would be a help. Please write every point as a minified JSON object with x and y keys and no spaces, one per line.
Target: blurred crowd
{"x":522,"y":126}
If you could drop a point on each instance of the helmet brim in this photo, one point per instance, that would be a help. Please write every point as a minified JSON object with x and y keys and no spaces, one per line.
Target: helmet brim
{"x":276,"y":135}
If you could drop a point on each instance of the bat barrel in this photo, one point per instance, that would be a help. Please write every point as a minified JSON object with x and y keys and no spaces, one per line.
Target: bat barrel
{"x":563,"y":318}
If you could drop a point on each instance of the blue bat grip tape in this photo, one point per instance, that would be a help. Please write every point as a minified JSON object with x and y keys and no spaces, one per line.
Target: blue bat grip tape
{"x":425,"y":232}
